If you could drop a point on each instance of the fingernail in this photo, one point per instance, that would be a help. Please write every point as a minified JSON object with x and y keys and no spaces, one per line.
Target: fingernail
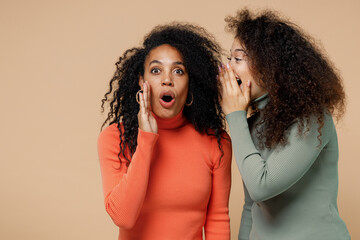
{"x":219,"y":69}
{"x":227,"y":65}
{"x":248,"y":83}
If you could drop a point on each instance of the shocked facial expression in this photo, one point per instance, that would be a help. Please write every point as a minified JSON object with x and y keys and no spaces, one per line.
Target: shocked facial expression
{"x":164,"y":69}
{"x":239,"y":63}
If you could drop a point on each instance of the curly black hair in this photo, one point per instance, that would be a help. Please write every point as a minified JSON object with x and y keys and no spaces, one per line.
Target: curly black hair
{"x":201,"y":54}
{"x":301,"y":81}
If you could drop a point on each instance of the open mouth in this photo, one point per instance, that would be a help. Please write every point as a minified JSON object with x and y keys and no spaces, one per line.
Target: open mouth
{"x":238,"y":80}
{"x":167,"y":98}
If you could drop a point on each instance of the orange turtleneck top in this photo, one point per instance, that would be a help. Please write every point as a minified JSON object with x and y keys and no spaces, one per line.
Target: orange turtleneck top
{"x":176,"y":184}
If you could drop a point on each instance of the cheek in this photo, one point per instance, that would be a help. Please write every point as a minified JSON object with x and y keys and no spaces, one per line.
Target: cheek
{"x":153,"y":92}
{"x":238,"y":70}
{"x":149,"y":78}
{"x":242,"y":70}
{"x":182,"y":93}
{"x":185,"y":89}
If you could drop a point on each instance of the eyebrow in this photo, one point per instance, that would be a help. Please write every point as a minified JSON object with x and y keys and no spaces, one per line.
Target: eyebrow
{"x":239,"y":50}
{"x":174,"y":63}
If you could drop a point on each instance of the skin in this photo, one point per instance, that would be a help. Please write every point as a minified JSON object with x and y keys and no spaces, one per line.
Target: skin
{"x":235,"y":97}
{"x":164,"y":71}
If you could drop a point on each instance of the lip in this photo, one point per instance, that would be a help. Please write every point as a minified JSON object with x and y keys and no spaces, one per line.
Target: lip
{"x":167,"y":104}
{"x":241,"y":86}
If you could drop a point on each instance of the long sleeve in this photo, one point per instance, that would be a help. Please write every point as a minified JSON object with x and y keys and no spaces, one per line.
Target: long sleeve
{"x":266,"y":178}
{"x":246,"y":218}
{"x":217,"y":226}
{"x":124,"y":187}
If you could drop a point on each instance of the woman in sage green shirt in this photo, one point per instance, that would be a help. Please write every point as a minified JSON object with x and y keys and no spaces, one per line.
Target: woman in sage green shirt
{"x":287,"y":150}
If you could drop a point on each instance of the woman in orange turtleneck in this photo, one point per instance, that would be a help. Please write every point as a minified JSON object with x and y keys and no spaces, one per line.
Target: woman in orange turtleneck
{"x":165,"y":160}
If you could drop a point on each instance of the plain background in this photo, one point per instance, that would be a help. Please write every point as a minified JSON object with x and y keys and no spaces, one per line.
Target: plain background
{"x":56,"y":59}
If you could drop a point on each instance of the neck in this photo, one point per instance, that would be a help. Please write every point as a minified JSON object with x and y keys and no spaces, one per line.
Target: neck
{"x":261,"y":101}
{"x":171,"y":123}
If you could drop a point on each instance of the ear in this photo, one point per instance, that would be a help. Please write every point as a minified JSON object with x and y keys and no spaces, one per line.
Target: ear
{"x":141,"y":81}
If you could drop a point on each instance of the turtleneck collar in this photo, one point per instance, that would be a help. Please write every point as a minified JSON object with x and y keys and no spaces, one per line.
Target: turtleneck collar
{"x":171,"y":123}
{"x":262,"y":101}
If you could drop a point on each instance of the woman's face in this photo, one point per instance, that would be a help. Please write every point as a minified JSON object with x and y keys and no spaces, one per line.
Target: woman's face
{"x":239,"y":63}
{"x":164,"y":69}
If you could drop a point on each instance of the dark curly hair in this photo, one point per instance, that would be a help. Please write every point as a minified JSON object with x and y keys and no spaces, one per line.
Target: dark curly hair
{"x":201,"y":54}
{"x":301,"y":81}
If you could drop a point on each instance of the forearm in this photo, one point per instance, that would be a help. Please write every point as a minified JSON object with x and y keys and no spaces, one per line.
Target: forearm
{"x":285,"y":165}
{"x":125,"y":200}
{"x":125,"y":188}
{"x":217,"y":226}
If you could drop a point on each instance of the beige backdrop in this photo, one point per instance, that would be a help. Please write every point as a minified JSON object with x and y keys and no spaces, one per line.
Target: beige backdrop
{"x":56,"y":59}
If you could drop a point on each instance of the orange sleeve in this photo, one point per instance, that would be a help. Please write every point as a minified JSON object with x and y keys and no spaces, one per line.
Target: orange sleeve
{"x":124,"y":187}
{"x":217,"y":225}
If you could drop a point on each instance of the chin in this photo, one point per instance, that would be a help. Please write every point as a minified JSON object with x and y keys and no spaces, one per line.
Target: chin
{"x":166,"y":113}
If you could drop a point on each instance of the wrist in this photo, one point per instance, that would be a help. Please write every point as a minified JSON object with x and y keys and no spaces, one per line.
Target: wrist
{"x":226,"y":112}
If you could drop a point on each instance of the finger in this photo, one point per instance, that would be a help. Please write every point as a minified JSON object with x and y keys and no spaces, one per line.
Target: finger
{"x":148,"y":98}
{"x":226,"y":78}
{"x":143,"y":117}
{"x":246,"y":91}
{"x":142,"y":104}
{"x":232,"y":79}
{"x":145,"y":96}
{"x":224,"y":86}
{"x":220,"y":72}
{"x":141,"y":112}
{"x":138,"y":100}
{"x":220,"y":77}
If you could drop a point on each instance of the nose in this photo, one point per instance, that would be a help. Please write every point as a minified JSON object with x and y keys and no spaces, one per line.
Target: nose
{"x":167,"y":80}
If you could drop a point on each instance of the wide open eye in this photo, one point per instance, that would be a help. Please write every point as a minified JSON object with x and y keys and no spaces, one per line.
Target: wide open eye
{"x":155,"y":71}
{"x":179,"y":71}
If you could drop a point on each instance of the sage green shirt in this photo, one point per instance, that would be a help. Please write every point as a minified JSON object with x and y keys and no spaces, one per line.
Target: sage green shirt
{"x":290,"y":191}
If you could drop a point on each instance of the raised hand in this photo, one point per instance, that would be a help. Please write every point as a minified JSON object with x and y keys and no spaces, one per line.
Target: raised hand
{"x":146,"y":120}
{"x":233,"y":96}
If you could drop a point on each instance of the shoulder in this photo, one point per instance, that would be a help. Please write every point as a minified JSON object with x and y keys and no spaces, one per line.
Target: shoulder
{"x":224,"y":138}
{"x":110,"y":133}
{"x":109,"y":139}
{"x":326,"y":125}
{"x":324,"y":129}
{"x":221,"y":154}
